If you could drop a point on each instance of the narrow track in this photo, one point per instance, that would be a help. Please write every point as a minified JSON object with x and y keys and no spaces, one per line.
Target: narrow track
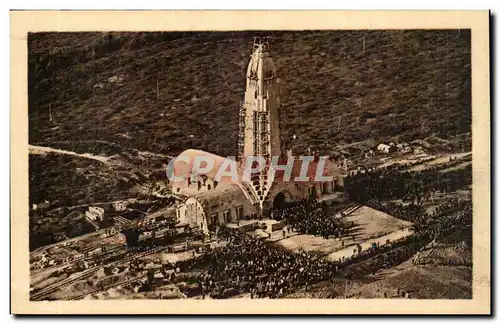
{"x":63,"y":283}
{"x":86,"y":273}
{"x":105,"y":288}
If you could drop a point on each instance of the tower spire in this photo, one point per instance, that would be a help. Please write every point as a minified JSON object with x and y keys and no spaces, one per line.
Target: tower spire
{"x":259,"y":118}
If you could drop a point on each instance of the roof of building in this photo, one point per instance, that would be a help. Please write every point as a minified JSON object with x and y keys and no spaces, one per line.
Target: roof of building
{"x":223,"y":194}
{"x":330,"y":169}
{"x":183,"y":165}
{"x":383,"y":146}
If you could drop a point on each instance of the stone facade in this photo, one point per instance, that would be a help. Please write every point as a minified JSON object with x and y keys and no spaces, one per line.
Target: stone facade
{"x":225,"y":204}
{"x":212,"y":203}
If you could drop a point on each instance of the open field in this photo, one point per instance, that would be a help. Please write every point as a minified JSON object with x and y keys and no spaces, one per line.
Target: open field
{"x":422,"y":282}
{"x":370,"y":226}
{"x":419,"y":282}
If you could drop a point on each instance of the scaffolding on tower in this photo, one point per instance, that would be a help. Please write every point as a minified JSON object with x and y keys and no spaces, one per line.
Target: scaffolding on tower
{"x":241,"y":134}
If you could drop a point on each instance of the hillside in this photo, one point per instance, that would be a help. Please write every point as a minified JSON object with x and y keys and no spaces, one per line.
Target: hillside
{"x":66,"y":178}
{"x":76,"y":181}
{"x":383,"y":84}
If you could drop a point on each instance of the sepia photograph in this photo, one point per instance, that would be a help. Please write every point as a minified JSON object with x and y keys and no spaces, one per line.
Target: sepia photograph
{"x":255,"y":164}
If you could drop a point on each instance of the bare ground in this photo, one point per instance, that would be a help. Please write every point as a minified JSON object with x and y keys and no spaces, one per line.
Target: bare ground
{"x":370,"y":225}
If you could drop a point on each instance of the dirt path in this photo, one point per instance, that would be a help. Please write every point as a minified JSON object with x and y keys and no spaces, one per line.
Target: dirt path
{"x":347,"y":252}
{"x":440,"y":160}
{"x":456,"y":167}
{"x":42,"y":150}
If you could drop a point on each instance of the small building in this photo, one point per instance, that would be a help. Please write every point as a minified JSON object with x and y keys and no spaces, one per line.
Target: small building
{"x":41,"y":206}
{"x":120,"y":206}
{"x":384,"y":148}
{"x":95,"y":214}
{"x":403,"y":147}
{"x":406,"y":149}
{"x":121,"y":239}
{"x":369,"y":154}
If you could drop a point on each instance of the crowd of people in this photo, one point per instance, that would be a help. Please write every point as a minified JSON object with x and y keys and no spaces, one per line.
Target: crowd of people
{"x":391,"y":183}
{"x":377,"y":188}
{"x":390,"y":252}
{"x":410,"y":212}
{"x":307,"y":216}
{"x":451,"y":215}
{"x":454,"y":216}
{"x":248,"y":265}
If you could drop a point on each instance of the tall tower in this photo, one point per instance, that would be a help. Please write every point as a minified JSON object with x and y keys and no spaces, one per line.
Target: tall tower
{"x":259,"y":120}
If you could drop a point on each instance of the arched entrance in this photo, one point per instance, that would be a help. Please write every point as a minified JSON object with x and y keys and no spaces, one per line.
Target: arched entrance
{"x":281,"y":200}
{"x":326,"y":188}
{"x":191,"y":212}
